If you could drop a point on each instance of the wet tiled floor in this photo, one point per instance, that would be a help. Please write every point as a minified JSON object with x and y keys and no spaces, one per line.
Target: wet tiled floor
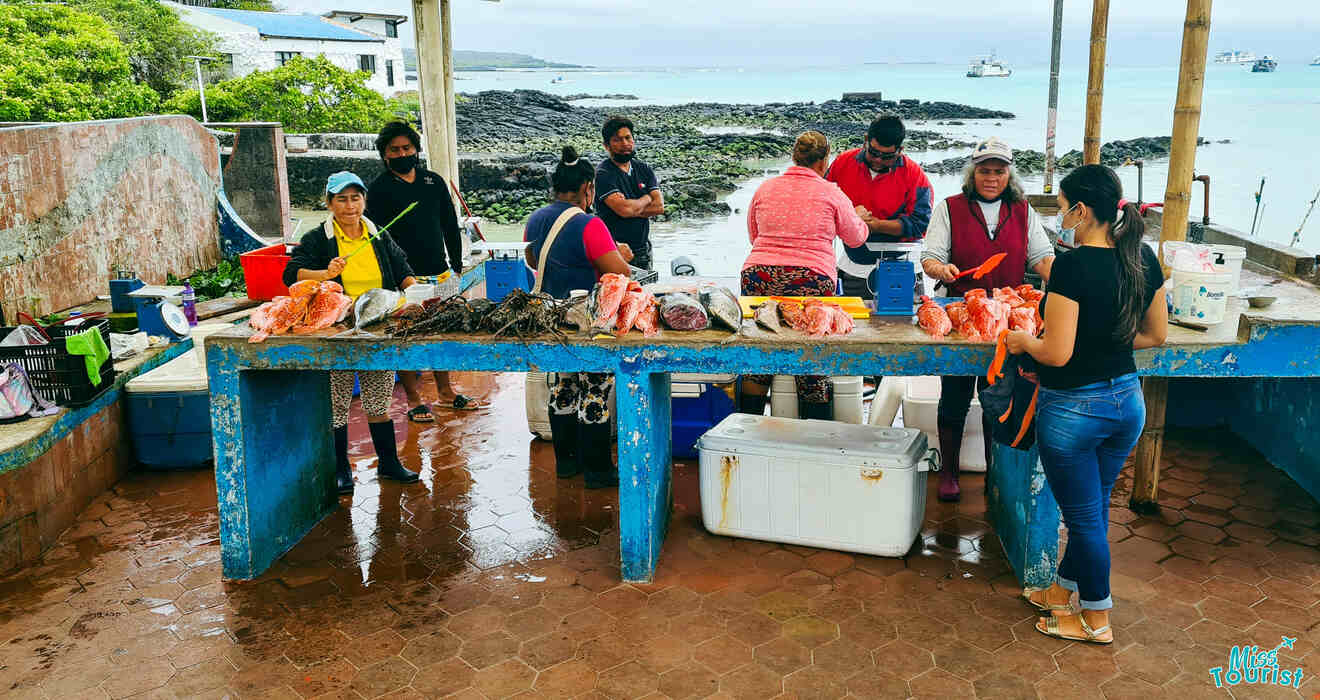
{"x":494,"y":579}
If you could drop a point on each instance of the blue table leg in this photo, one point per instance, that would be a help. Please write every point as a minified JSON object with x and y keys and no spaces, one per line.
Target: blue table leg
{"x":274,"y":460}
{"x":1024,"y":514}
{"x":644,"y":470}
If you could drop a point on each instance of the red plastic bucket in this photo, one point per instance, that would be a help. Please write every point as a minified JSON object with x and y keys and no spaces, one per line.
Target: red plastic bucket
{"x":263,"y":270}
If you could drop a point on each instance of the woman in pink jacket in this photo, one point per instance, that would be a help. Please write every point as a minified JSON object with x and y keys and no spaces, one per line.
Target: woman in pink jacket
{"x":792,"y":222}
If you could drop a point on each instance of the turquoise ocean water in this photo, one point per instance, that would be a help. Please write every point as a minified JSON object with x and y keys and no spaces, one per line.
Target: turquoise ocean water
{"x":1270,"y":119}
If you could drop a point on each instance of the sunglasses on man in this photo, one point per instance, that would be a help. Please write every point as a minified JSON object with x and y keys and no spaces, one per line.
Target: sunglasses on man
{"x":881,"y":155}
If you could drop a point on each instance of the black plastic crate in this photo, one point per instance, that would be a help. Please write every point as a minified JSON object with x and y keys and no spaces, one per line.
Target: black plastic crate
{"x":56,"y":374}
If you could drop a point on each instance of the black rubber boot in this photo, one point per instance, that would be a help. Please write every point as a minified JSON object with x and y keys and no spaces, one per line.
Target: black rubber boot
{"x":815,"y":411}
{"x":751,"y":403}
{"x":988,"y":426}
{"x":950,"y":447}
{"x":343,"y":470}
{"x":596,"y":456}
{"x":564,"y":435}
{"x":387,"y":455}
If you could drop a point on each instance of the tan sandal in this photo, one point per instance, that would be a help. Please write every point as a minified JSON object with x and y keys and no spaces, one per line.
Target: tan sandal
{"x":1047,"y":607}
{"x":1092,"y":636}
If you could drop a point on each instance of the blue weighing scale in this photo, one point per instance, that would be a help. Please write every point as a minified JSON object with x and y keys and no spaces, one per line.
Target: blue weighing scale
{"x":893,"y":281}
{"x":159,"y":312}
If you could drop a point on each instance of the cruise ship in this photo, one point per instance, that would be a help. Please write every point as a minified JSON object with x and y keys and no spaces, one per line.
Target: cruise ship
{"x":988,"y":67}
{"x":1235,"y":57}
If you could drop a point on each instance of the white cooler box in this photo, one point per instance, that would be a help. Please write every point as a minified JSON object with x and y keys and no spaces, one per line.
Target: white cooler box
{"x":856,"y":488}
{"x":921,"y":398}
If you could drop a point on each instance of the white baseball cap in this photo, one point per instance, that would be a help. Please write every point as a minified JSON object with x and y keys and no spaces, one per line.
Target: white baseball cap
{"x":992,"y":149}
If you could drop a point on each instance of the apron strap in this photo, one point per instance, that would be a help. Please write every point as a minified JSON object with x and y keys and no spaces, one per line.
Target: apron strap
{"x":558,"y":226}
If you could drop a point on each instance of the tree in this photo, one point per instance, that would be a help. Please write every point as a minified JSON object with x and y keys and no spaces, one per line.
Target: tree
{"x":59,"y":64}
{"x":258,"y":5}
{"x":306,"y":95}
{"x":157,"y":40}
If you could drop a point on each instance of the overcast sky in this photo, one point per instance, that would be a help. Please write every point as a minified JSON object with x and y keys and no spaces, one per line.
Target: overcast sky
{"x":610,"y":33}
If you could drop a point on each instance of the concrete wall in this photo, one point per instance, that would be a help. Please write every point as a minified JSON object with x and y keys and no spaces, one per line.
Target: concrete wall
{"x":76,"y":199}
{"x":41,"y":499}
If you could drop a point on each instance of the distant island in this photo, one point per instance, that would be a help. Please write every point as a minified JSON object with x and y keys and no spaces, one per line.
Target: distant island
{"x":488,"y":60}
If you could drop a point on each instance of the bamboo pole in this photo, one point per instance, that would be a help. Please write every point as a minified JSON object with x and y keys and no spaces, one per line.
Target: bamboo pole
{"x":1051,"y":116}
{"x":1177,"y":205}
{"x":1095,"y":81}
{"x":1186,"y":121}
{"x":432,"y":60}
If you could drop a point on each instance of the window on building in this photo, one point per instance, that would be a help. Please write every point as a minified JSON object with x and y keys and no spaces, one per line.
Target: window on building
{"x":284,"y":57}
{"x":389,"y":73}
{"x":367,"y":62}
{"x":391,"y":29}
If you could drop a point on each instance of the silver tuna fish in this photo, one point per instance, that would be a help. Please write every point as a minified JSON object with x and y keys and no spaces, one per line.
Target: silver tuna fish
{"x":723,"y":307}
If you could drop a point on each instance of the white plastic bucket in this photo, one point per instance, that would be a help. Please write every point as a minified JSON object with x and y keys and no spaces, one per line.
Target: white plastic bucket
{"x":1201,"y":297}
{"x":419,"y":293}
{"x":1228,"y":258}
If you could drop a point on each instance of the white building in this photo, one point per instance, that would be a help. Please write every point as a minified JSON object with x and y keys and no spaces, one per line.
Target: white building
{"x":251,"y":41}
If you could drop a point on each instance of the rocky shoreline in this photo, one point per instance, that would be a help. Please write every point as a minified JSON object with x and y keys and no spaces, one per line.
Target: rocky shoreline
{"x":1113,"y":154}
{"x":505,"y":138}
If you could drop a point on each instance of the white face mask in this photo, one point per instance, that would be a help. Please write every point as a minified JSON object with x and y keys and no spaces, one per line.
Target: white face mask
{"x":1067,"y":236}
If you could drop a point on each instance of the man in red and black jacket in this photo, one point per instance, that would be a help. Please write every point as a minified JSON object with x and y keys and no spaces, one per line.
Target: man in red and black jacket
{"x":891,"y":193}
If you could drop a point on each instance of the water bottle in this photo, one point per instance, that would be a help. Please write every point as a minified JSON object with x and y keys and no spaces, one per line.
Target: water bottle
{"x":189,"y":304}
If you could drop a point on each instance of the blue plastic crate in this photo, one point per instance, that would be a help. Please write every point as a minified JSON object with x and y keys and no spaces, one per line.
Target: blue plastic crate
{"x":694,"y":415}
{"x":504,"y":276}
{"x":892,"y":282}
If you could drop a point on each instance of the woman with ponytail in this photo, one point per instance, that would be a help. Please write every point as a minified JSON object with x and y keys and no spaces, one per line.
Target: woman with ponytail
{"x":580,"y":251}
{"x":1103,"y":302}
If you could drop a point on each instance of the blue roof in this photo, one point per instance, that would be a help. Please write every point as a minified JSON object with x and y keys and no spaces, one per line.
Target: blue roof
{"x":290,"y":26}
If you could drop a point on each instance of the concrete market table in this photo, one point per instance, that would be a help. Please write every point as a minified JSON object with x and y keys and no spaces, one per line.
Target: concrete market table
{"x":270,"y":407}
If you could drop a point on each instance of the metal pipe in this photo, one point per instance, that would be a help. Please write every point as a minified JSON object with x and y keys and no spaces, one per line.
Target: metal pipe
{"x":1141,"y":165}
{"x":1051,"y":117}
{"x":1205,"y":214}
{"x":1256,"y":214}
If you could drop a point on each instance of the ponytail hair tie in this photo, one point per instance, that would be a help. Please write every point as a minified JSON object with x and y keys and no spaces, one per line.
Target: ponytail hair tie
{"x":572,"y":163}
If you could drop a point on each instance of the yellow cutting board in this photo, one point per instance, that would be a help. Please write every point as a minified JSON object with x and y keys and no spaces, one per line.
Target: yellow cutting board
{"x":853,"y":305}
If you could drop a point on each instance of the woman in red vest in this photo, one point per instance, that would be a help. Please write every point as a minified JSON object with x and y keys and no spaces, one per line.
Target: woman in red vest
{"x":990,"y":216}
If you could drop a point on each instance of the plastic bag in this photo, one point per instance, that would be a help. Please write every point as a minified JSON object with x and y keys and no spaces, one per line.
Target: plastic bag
{"x":24,"y":335}
{"x":1189,"y":257}
{"x":124,"y":345}
{"x":18,"y":400}
{"x":683,"y":313}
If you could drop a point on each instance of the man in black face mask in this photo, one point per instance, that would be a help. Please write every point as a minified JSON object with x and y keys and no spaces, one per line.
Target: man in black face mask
{"x":627,"y":192}
{"x":426,"y":234}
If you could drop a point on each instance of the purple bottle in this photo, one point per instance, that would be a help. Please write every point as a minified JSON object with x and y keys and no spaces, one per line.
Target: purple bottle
{"x":189,"y":304}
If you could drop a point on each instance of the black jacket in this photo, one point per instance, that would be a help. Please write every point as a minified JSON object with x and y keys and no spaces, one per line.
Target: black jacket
{"x":428,"y":231}
{"x":318,"y":247}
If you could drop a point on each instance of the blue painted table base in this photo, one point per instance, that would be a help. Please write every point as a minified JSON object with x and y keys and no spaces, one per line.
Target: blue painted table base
{"x":271,"y":422}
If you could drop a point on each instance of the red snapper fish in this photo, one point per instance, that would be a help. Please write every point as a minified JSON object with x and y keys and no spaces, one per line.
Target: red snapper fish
{"x":328,"y":307}
{"x":609,"y":297}
{"x":648,"y":320}
{"x":933,"y":319}
{"x":629,"y":309}
{"x":817,"y":318}
{"x":278,"y":316}
{"x":841,"y":321}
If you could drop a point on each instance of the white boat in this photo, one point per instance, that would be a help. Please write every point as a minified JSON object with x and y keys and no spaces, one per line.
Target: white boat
{"x":1315,"y":61}
{"x":988,"y":67}
{"x":1235,"y":57}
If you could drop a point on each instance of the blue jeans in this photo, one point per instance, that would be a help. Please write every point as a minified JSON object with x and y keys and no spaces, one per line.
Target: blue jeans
{"x":1085,"y":435}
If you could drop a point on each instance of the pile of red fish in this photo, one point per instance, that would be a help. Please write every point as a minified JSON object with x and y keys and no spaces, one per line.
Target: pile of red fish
{"x":621,"y":306}
{"x":310,"y":306}
{"x":980,"y":317}
{"x":815,"y":317}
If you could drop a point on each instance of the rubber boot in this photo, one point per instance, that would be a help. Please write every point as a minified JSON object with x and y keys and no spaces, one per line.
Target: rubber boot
{"x":343,"y":470}
{"x":752,"y":403}
{"x":387,"y":455}
{"x":815,"y":411}
{"x":596,"y":460}
{"x":564,"y":435}
{"x":950,"y":446}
